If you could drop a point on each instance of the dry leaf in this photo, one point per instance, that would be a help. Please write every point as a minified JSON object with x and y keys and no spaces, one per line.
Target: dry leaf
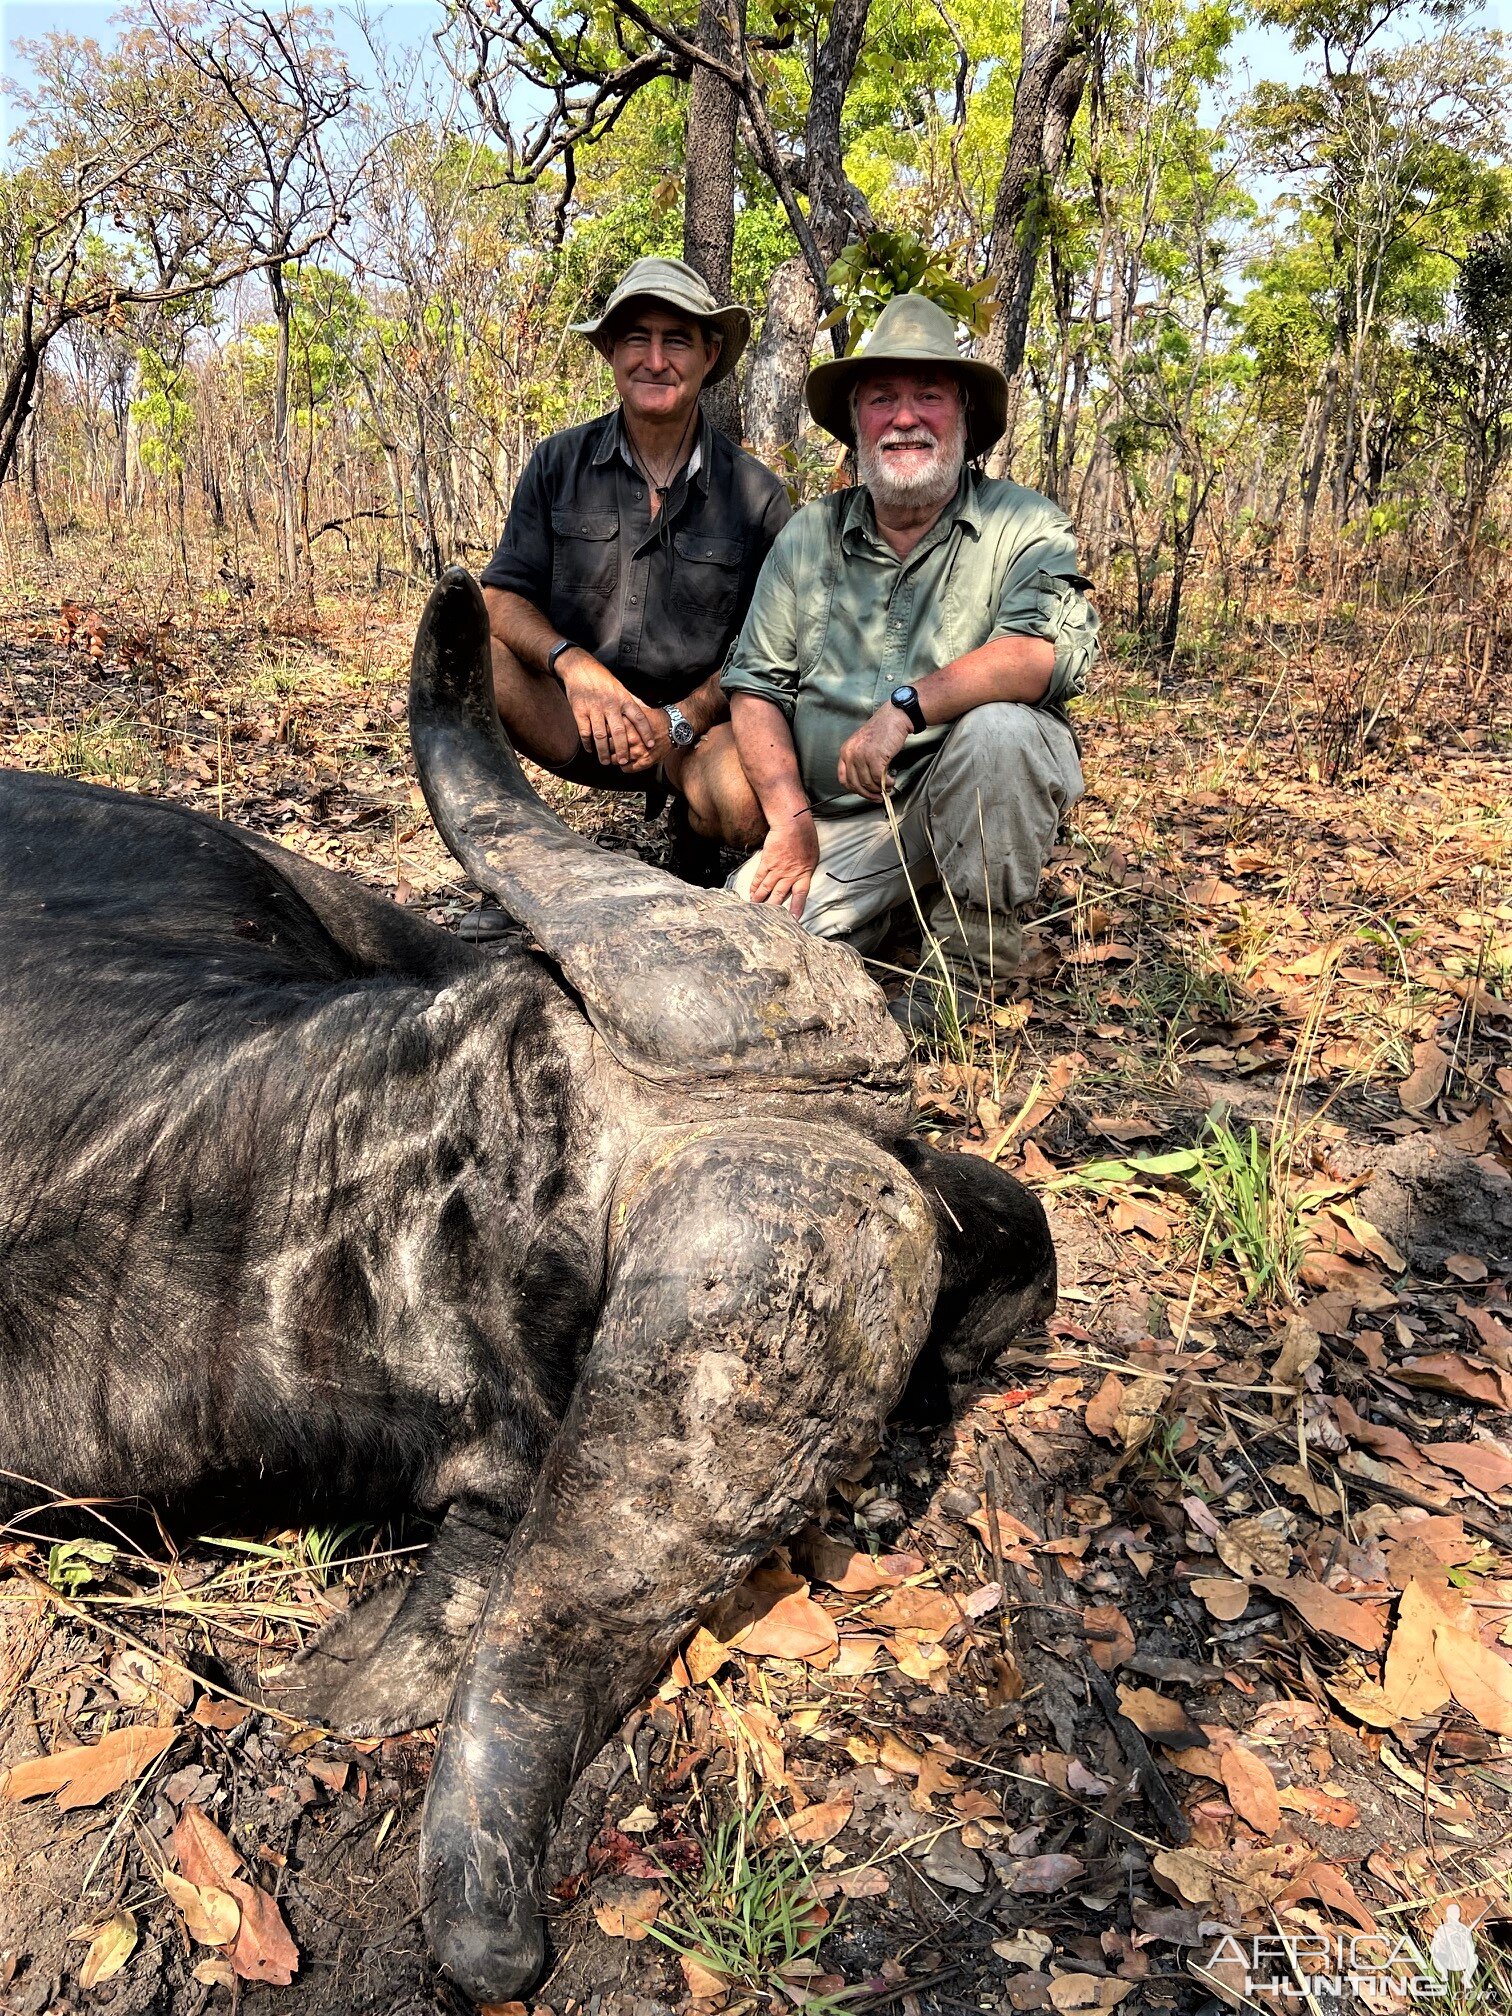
{"x":263,"y":1950}
{"x":1155,"y":1715}
{"x":1221,"y":1596}
{"x":794,"y":1627}
{"x":1206,"y":893}
{"x":703,"y":1655}
{"x":1365,"y":1699}
{"x":109,"y":1950}
{"x":91,"y":1772}
{"x":211,"y":1915}
{"x":1486,"y":1465}
{"x":142,"y":1681}
{"x":1251,"y":1788}
{"x":864,"y":1882}
{"x":705,"y":1984}
{"x":1302,"y":1484}
{"x":1109,"y":1638}
{"x":1043,"y":1875}
{"x":1412,"y":1681}
{"x":1139,"y":1410}
{"x":1430,"y":1069}
{"x":1024,"y":1949}
{"x":1466,"y":1267}
{"x":1492,"y":1332}
{"x":849,"y":1569}
{"x":628,"y":1910}
{"x":221,"y":1715}
{"x":1448,"y":1372}
{"x":1088,"y":1991}
{"x":1300,"y":1345}
{"x":1257,"y":1546}
{"x":858,"y":1654}
{"x":929,"y":1612}
{"x":218,"y":1973}
{"x":1327,"y":1808}
{"x":1479,"y":1679}
{"x":1359,"y":1624}
{"x":816,"y":1826}
{"x":1104,"y":1407}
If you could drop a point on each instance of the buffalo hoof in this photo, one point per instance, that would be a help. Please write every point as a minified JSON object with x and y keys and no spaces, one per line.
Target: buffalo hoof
{"x":502,"y":1771}
{"x":493,"y":1959}
{"x":367,"y":1675}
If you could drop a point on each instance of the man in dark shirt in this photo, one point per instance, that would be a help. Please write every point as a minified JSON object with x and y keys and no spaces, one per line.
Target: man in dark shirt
{"x":632,"y":548}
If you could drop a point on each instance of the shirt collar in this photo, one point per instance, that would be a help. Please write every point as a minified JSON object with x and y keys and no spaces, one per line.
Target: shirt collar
{"x":612,"y":443}
{"x":860,"y":520}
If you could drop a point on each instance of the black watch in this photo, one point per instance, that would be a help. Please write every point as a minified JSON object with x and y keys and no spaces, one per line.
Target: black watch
{"x":562,"y":644}
{"x":906,"y":700}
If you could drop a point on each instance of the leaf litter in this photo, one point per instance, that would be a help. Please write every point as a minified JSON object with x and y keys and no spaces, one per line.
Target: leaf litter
{"x":1274,"y":1525}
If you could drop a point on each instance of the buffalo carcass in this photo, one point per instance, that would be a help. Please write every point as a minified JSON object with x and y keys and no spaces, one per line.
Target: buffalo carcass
{"x":611,"y":1255}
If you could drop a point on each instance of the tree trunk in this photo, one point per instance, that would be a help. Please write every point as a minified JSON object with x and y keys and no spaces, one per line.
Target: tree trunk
{"x":41,"y":533}
{"x":779,"y":365}
{"x":780,"y":360}
{"x":1051,"y":79}
{"x":709,"y":182}
{"x":288,"y":535}
{"x":1313,"y":474}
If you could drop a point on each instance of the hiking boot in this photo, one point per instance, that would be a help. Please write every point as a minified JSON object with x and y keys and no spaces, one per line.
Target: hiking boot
{"x":936,"y":1004}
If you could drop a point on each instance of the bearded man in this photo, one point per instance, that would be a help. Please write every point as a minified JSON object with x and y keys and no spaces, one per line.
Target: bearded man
{"x":627,"y":563}
{"x":898,"y":688}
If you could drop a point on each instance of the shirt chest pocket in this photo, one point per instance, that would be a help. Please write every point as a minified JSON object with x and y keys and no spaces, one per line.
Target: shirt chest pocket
{"x":706,"y":574}
{"x":584,"y":555}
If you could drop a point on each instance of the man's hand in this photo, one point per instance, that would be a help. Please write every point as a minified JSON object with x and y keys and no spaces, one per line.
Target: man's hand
{"x":611,"y":722}
{"x":787,"y":864}
{"x":865,"y":757}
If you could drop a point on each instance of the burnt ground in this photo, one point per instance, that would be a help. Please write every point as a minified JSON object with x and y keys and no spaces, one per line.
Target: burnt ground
{"x":1121,"y":1663}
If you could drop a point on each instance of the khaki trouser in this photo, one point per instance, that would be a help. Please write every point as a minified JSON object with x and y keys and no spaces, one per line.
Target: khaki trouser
{"x":975,"y":832}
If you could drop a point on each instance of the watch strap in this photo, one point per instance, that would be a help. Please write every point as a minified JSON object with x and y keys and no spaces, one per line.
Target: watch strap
{"x":906,"y":700}
{"x":562,"y":644}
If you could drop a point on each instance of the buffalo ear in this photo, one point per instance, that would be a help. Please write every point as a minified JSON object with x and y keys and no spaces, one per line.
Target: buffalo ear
{"x":997,"y":1259}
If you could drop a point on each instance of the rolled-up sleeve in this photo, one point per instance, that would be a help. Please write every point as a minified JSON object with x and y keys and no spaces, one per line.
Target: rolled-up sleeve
{"x":522,"y":564}
{"x":763,"y":660}
{"x":1044,"y":595}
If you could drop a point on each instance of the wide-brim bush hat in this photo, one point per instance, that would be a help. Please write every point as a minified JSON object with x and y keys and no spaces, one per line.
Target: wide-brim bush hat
{"x":675,"y":285}
{"x":911,"y":329}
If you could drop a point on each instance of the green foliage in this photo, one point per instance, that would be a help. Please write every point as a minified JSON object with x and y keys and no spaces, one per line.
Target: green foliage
{"x":880,"y":265}
{"x":72,"y":1565}
{"x":1247,"y":1187}
{"x":750,"y":1914}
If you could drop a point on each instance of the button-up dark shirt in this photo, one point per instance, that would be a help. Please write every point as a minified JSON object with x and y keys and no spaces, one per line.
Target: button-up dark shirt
{"x":660,"y":605}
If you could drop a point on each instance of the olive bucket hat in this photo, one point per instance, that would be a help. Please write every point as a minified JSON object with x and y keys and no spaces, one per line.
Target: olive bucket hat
{"x":675,"y":286}
{"x":911,"y":329}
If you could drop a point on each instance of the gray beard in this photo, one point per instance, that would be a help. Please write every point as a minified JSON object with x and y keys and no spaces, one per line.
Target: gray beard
{"x":924,"y":489}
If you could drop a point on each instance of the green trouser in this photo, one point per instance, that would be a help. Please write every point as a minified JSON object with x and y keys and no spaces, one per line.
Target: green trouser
{"x":971,"y":840}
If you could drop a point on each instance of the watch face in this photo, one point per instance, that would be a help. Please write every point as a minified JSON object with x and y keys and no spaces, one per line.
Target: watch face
{"x":681,"y":727}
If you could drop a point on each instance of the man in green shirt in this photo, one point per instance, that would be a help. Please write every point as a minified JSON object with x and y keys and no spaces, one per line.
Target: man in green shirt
{"x":897,"y":689}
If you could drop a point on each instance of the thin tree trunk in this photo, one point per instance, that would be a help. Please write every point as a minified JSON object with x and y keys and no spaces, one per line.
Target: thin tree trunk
{"x":709,"y":182}
{"x":1051,"y":79}
{"x":288,"y":536}
{"x":779,"y":364}
{"x":780,"y":359}
{"x":41,"y":533}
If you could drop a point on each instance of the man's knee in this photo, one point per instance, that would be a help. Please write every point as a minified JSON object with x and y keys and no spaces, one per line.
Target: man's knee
{"x":721,"y":804}
{"x":999,"y":732}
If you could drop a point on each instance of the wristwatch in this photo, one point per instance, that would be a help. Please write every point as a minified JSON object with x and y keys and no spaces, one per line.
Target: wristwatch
{"x":684,"y":734}
{"x":906,"y":700}
{"x":562,"y":644}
